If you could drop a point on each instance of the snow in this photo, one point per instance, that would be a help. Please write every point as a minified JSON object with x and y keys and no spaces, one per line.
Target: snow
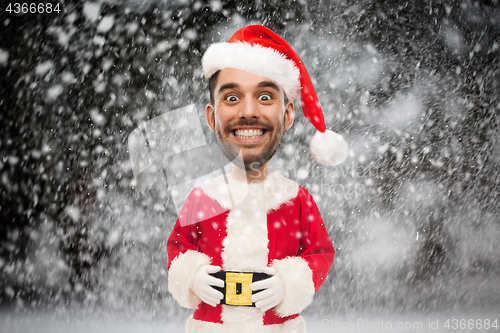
{"x":73,"y":212}
{"x":81,"y":323}
{"x":132,"y":27}
{"x":382,"y":245}
{"x":91,"y":11}
{"x":63,"y":35}
{"x":4,"y":57}
{"x":402,"y":112}
{"x":106,"y":24}
{"x":43,"y":67}
{"x":13,"y":160}
{"x":413,"y":213}
{"x":111,"y":322}
{"x":97,"y":117}
{"x":453,"y":39}
{"x":54,"y":91}
{"x":68,"y":77}
{"x":190,"y":34}
{"x":99,"y":40}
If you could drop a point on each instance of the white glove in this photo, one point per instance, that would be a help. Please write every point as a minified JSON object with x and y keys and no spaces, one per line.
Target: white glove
{"x":273,"y":293}
{"x":203,"y":282}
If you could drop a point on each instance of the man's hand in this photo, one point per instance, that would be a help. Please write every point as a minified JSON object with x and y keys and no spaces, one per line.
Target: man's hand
{"x":273,"y":290}
{"x":203,"y":282}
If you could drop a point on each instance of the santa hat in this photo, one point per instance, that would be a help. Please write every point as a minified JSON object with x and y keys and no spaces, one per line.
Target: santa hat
{"x":259,"y":50}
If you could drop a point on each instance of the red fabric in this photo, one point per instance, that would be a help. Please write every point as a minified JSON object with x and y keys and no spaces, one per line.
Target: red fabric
{"x":300,"y":216}
{"x":297,"y":217}
{"x":258,"y":34}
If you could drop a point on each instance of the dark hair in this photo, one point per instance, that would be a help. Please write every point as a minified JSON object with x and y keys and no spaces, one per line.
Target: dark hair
{"x":212,"y":82}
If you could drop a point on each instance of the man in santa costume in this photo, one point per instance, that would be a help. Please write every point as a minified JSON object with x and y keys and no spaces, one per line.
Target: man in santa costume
{"x":250,"y":248}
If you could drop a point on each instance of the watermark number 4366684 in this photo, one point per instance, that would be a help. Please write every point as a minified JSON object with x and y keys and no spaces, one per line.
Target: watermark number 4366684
{"x":33,"y":8}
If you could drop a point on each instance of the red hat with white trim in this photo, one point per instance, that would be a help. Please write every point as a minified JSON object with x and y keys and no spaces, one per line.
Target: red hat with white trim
{"x":261,"y":51}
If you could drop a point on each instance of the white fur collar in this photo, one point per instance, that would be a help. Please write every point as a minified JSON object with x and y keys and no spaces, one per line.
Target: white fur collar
{"x":269,"y":194}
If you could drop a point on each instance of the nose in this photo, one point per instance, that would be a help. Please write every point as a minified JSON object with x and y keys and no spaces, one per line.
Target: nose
{"x":249,"y":109}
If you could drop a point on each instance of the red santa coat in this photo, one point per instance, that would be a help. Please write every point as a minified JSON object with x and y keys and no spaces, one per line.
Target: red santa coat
{"x":272,"y":223}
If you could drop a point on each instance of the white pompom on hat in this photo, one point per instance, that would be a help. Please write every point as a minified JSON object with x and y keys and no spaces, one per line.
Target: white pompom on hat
{"x":259,"y":50}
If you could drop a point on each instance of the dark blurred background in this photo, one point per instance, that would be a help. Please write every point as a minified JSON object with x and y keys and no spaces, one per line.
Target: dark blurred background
{"x":412,"y":85}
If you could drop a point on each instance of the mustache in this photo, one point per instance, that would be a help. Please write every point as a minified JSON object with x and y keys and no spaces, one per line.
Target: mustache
{"x":248,"y":123}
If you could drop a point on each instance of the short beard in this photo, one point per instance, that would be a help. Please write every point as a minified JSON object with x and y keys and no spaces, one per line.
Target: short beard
{"x":231,"y":151}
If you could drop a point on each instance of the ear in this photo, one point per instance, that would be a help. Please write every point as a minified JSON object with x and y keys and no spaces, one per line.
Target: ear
{"x":210,"y":116}
{"x":289,"y":115}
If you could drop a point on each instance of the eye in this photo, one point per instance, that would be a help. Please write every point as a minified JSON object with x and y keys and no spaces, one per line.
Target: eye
{"x":265,"y":97}
{"x":232,"y":98}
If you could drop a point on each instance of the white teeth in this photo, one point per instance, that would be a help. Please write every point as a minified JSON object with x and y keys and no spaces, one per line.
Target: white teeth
{"x":248,"y":134}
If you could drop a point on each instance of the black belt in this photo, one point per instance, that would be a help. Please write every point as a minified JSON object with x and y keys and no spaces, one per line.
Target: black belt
{"x":236,"y":289}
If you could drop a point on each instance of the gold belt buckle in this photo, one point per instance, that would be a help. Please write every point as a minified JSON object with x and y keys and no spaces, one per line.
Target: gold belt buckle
{"x":238,"y":290}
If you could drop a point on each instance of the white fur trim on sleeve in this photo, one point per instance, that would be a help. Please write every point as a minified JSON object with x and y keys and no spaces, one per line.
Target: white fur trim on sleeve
{"x":299,"y":285}
{"x":181,"y":275}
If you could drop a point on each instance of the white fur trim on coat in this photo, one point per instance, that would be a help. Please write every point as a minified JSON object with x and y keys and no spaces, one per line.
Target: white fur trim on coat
{"x":181,"y":275}
{"x":256,"y":59}
{"x":299,"y":286}
{"x":270,"y":194}
{"x":245,"y":247}
{"x":297,"y":325}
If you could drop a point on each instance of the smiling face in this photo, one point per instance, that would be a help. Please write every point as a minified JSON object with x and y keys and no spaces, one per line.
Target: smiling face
{"x":249,"y":111}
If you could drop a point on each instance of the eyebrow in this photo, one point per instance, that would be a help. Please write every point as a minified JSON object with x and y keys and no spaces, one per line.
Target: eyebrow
{"x":227,"y":86}
{"x":269,"y":84}
{"x":262,"y":84}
